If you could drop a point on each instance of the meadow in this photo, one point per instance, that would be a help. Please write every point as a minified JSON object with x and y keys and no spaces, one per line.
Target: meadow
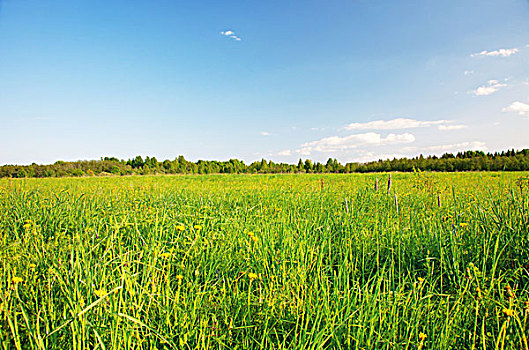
{"x":265,"y":261}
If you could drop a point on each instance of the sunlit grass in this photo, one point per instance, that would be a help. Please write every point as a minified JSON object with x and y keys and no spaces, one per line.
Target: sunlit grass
{"x":265,"y":261}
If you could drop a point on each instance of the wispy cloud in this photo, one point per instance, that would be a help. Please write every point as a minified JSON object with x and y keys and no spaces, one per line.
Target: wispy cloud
{"x":394,"y":124}
{"x":500,"y":52}
{"x":468,"y":72}
{"x":265,"y":133}
{"x":491,"y":87}
{"x":337,"y":143}
{"x":451,"y":127}
{"x":519,"y":107}
{"x":230,"y":34}
{"x":286,"y":152}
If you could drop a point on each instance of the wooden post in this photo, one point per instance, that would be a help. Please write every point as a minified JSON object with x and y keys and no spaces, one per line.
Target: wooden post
{"x":439,"y":200}
{"x":321,"y":184}
{"x":396,"y":203}
{"x":376,"y":184}
{"x":389,"y":183}
{"x":346,"y":206}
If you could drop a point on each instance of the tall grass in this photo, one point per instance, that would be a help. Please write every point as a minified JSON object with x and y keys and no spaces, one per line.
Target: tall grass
{"x":270,"y":262}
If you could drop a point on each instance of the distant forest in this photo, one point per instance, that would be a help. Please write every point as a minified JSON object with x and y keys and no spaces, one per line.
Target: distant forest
{"x":463,"y":161}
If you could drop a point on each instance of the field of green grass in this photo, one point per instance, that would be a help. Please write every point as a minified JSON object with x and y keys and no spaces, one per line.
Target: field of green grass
{"x":265,"y":261}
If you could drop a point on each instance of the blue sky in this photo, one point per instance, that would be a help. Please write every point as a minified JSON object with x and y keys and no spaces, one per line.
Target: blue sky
{"x":355,"y":80}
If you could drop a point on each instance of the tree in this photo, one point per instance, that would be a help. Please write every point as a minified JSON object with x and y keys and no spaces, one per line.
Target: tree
{"x":308,"y":165}
{"x":300,"y":165}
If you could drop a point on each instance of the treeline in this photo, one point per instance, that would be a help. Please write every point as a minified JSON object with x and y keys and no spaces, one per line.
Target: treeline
{"x":463,"y":161}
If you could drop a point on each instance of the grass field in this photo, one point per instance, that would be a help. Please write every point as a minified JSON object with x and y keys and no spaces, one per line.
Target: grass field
{"x":266,"y":261}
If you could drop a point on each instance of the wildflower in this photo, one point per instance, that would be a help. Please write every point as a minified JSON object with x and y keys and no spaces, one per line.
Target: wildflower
{"x":1,"y":307}
{"x":420,"y":279}
{"x":16,"y":280}
{"x":100,"y":292}
{"x":166,"y":255}
{"x":81,"y":302}
{"x":32,"y":266}
{"x":422,"y":336}
{"x":255,"y":239}
{"x":179,"y":278}
{"x":508,"y":312}
{"x":463,"y":224}
{"x":197,"y":227}
{"x":252,"y":275}
{"x":180,"y":228}
{"x":27,"y":226}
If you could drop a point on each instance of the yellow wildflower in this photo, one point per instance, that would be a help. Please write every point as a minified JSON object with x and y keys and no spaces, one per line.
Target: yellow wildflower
{"x":421,"y":280}
{"x":100,"y":292}
{"x":17,"y":280}
{"x":422,"y":336}
{"x":81,"y":301}
{"x":463,"y":224}
{"x":166,"y":255}
{"x":180,"y":228}
{"x":179,"y":278}
{"x":252,"y":275}
{"x":197,"y":227}
{"x":32,"y":266}
{"x":27,"y":226}
{"x":508,"y":312}
{"x":255,"y":238}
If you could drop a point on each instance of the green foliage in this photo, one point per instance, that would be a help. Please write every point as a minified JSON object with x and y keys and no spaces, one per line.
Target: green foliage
{"x":464,"y":161}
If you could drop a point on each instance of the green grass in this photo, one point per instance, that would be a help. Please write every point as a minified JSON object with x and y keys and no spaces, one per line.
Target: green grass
{"x":100,"y":260}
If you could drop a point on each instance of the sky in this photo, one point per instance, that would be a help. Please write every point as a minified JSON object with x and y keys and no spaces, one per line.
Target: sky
{"x":355,"y":80}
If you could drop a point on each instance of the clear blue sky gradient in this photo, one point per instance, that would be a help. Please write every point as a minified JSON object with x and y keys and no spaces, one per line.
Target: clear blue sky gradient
{"x":85,"y":79}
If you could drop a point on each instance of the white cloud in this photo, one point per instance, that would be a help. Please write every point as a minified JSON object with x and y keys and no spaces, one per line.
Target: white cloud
{"x":286,"y":152}
{"x":230,"y":34}
{"x":468,"y":72}
{"x":451,"y":127}
{"x":396,"y":138}
{"x":363,"y":156}
{"x":394,"y":124}
{"x":500,"y":52}
{"x":519,"y":107}
{"x":454,"y":147}
{"x":491,"y":87}
{"x":337,"y":143}
{"x":265,"y":133}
